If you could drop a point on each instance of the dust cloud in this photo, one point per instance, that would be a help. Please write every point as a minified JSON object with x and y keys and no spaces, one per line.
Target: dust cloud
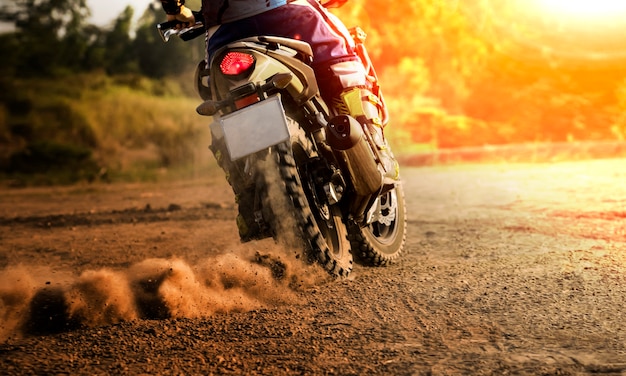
{"x":36,"y":301}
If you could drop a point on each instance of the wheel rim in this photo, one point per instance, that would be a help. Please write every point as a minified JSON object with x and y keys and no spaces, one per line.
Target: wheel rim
{"x":325,"y":217}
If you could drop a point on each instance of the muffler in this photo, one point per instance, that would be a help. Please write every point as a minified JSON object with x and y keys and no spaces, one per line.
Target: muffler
{"x":346,"y":137}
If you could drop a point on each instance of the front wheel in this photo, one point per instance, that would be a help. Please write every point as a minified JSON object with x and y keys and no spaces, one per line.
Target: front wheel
{"x":382,"y":241}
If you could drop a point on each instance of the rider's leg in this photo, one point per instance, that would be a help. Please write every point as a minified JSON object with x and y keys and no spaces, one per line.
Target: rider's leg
{"x":347,"y":92}
{"x":345,"y":86}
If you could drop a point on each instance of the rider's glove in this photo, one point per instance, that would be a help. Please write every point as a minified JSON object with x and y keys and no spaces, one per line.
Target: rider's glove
{"x":185,"y":16}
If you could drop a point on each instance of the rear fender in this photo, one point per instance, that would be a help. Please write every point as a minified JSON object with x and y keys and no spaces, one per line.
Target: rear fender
{"x":272,"y":57}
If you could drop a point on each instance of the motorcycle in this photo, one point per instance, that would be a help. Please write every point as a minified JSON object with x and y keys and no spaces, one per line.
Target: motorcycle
{"x":295,"y":167}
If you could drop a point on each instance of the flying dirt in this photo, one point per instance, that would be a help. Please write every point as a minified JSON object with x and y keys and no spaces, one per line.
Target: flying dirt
{"x":508,"y":269}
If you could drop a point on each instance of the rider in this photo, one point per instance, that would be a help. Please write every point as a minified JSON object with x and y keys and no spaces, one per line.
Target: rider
{"x":339,"y":71}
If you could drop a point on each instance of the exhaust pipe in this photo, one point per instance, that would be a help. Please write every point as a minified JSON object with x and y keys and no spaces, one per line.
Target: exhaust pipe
{"x":345,"y":136}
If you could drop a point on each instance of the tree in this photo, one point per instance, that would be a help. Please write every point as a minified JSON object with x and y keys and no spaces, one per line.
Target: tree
{"x":120,"y":54}
{"x":158,"y":59}
{"x":48,"y":34}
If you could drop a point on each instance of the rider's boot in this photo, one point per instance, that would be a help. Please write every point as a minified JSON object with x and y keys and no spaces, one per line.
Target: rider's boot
{"x":366,"y":108}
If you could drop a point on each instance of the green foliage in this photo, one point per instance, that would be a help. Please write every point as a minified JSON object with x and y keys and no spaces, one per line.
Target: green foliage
{"x":98,"y":127}
{"x":50,"y":35}
{"x":76,"y":100}
{"x":120,"y":54}
{"x":53,"y":39}
{"x":52,"y":162}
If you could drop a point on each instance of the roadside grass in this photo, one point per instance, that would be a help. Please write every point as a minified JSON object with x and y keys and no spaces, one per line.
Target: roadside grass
{"x":94,"y":127}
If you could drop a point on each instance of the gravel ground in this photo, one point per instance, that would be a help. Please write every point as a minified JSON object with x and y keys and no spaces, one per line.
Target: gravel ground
{"x":508,"y":269}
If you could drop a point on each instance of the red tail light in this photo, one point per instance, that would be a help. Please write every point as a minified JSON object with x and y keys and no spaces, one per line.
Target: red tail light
{"x":237,"y":63}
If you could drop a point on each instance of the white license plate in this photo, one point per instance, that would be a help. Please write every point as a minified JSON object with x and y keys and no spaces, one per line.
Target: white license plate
{"x":254,"y":128}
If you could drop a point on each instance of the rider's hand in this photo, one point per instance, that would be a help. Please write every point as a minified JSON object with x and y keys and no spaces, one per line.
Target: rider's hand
{"x":185,"y":17}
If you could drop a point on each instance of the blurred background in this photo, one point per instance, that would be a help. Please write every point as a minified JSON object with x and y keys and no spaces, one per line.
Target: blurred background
{"x":89,"y":92}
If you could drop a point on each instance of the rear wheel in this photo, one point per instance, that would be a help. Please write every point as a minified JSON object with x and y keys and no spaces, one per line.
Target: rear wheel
{"x":320,"y":225}
{"x":382,"y":241}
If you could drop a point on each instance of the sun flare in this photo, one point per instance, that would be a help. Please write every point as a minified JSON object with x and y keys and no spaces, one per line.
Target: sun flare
{"x":585,"y":10}
{"x":577,"y":29}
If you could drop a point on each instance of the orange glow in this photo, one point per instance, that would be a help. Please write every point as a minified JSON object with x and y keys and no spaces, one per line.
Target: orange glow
{"x":494,"y":72}
{"x":589,"y":30}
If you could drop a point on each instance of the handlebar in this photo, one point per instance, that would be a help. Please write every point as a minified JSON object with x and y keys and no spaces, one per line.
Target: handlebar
{"x":169,"y":28}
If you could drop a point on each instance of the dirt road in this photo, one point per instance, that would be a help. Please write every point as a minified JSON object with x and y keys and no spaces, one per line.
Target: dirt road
{"x":508,"y":269}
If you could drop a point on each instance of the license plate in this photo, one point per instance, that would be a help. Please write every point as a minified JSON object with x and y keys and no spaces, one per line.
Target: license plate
{"x":254,"y":128}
